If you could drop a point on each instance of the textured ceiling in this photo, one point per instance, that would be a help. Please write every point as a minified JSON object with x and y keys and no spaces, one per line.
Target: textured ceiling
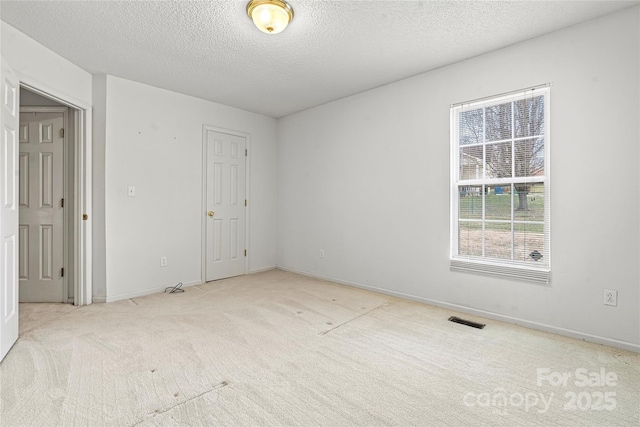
{"x":331,"y":49}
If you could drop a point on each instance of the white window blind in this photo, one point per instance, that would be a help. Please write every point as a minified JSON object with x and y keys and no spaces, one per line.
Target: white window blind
{"x":500,"y":211}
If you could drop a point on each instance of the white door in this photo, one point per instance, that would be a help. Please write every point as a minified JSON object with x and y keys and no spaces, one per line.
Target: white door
{"x":9,"y":98}
{"x":40,"y":192}
{"x":225,"y":205}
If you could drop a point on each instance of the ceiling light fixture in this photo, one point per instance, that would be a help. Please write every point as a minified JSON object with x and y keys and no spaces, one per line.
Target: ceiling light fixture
{"x":270,"y":16}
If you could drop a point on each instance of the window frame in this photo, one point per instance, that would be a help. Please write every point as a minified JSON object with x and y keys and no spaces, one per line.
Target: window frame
{"x":511,"y":268}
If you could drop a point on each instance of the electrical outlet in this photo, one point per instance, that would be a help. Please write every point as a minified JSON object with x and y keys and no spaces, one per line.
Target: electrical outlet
{"x":163,"y":261}
{"x":321,"y":253}
{"x":610,"y":297}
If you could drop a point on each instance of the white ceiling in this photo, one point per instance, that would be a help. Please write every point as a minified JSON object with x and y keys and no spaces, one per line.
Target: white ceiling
{"x":331,"y":49}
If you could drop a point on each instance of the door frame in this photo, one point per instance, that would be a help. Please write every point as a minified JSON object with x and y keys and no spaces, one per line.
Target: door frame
{"x":203,"y":210}
{"x":82,"y":194}
{"x":67,"y":160}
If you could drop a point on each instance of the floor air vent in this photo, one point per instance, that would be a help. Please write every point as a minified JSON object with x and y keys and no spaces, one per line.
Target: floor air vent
{"x":466,"y":322}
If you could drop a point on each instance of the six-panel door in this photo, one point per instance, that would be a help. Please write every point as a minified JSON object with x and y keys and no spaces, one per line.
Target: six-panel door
{"x":225,"y":205}
{"x":40,"y":195}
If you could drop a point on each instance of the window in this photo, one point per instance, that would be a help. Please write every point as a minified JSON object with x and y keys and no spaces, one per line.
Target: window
{"x":500,"y":186}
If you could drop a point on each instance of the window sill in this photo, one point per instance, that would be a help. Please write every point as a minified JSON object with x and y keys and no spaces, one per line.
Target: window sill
{"x":536,"y":275}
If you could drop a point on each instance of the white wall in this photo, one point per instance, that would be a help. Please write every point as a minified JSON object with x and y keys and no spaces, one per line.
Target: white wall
{"x":99,"y":260}
{"x":153,"y":141}
{"x":41,"y":67}
{"x":366,"y":179}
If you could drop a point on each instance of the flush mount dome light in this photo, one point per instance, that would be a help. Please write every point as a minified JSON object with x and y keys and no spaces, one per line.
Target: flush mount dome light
{"x":270,"y":16}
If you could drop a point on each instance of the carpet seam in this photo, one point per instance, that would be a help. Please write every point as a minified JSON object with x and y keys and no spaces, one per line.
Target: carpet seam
{"x":157,"y":412}
{"x":323,"y":333}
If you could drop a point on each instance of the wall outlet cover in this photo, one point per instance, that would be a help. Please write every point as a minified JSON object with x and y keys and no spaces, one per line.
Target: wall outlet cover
{"x":610,"y":297}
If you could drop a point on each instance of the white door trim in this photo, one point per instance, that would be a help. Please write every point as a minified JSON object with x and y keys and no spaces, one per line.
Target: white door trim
{"x":247,"y":137}
{"x":65,"y":189}
{"x":82,"y":187}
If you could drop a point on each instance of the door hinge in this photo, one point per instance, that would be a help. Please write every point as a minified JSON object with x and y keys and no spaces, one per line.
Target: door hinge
{"x":245,"y":252}
{"x":62,"y":203}
{"x":62,"y":272}
{"x":245,"y":202}
{"x":246,"y":152}
{"x":61,"y":132}
{"x":85,"y":217}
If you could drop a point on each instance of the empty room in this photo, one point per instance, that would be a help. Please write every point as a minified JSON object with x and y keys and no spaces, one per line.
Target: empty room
{"x":310,"y":212}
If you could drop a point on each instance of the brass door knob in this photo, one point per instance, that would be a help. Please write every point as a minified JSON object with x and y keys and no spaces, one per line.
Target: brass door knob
{"x":210,"y":213}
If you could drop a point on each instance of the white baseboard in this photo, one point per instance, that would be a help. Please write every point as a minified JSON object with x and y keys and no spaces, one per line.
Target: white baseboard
{"x":261,"y":270}
{"x":149,"y":291}
{"x":489,"y":315}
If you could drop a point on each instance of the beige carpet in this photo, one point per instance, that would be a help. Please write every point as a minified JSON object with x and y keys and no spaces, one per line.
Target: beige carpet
{"x":281,"y":349}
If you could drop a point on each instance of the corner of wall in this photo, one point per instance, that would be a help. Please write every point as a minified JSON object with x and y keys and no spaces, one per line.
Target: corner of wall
{"x":99,"y":98}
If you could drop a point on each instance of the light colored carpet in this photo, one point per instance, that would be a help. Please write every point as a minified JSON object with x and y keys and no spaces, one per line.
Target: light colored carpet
{"x":277,"y":348}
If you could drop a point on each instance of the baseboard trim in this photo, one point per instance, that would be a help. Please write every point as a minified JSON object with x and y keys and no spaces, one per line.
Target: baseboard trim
{"x":482,"y":313}
{"x":262,"y":270}
{"x":151,"y":291}
{"x":142,"y":293}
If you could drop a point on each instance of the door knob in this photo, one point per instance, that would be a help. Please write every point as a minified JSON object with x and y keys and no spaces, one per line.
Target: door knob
{"x":210,"y":213}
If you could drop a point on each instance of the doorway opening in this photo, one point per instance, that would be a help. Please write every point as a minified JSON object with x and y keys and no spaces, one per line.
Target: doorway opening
{"x":45,"y":200}
{"x":66,"y":268}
